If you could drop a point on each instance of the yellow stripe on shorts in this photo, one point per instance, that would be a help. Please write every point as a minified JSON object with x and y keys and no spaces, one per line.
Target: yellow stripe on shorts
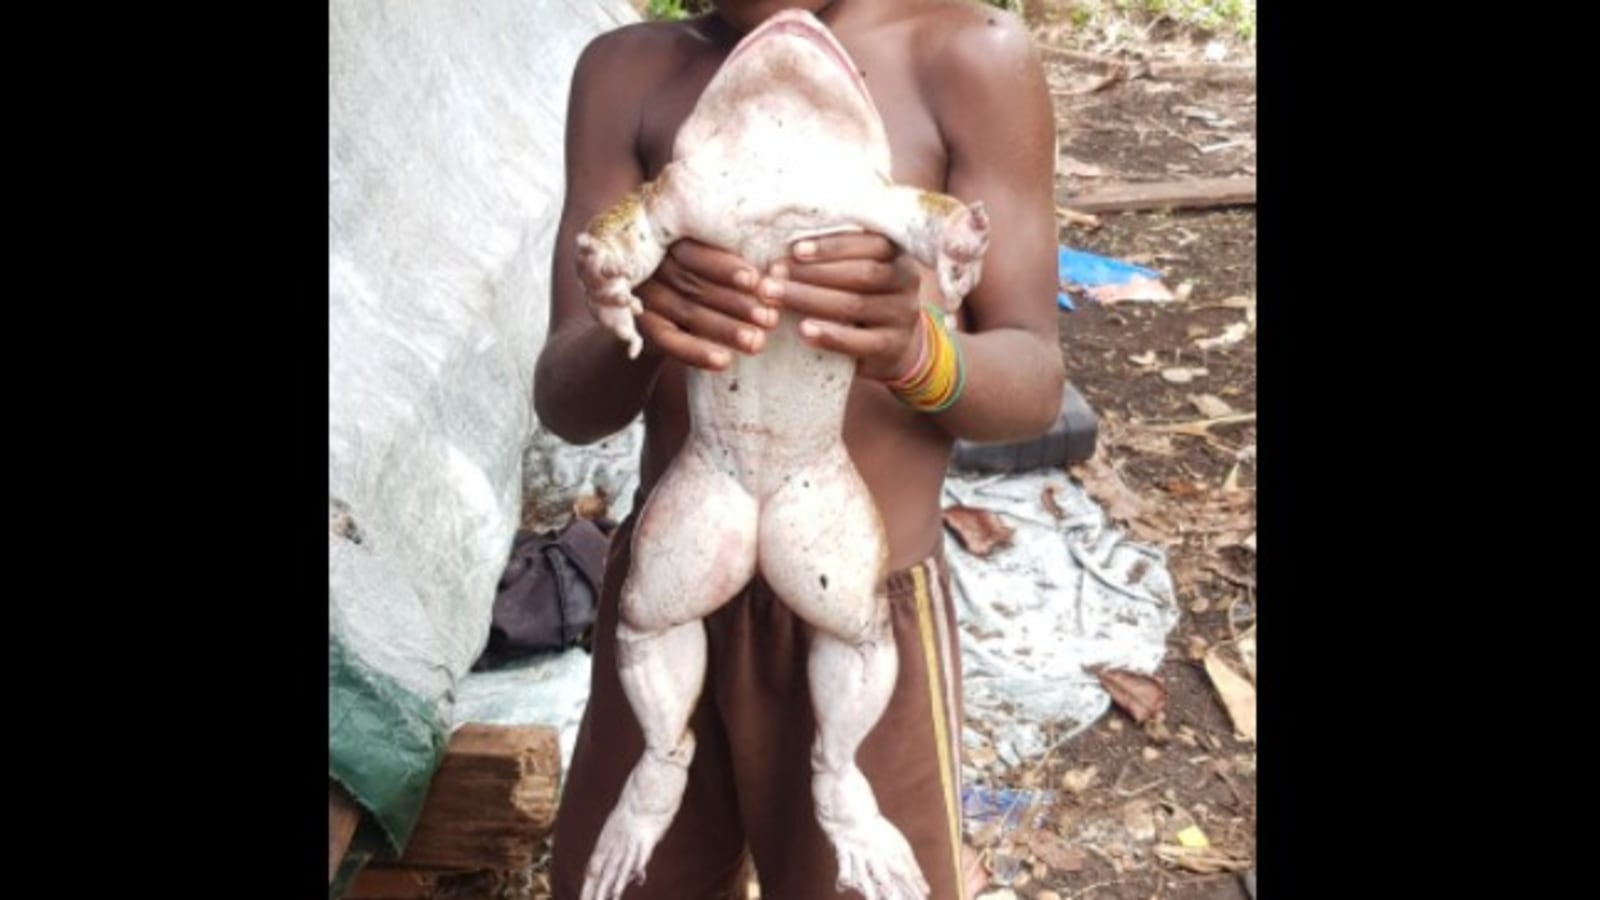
{"x":930,"y":654}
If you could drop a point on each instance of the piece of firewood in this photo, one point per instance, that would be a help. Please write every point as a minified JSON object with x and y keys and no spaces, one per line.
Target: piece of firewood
{"x":491,"y":802}
{"x":1195,"y":194}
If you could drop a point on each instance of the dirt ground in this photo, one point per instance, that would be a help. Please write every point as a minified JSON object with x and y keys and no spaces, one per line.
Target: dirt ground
{"x":1190,"y":490}
{"x":1125,"y":790}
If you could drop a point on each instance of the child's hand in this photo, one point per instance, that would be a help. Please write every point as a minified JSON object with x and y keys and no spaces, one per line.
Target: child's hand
{"x":700,"y":305}
{"x":860,"y":295}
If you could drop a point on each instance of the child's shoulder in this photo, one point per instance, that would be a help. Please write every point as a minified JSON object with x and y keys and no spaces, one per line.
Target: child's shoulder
{"x":621,"y":66}
{"x":650,"y":41}
{"x":966,"y":33}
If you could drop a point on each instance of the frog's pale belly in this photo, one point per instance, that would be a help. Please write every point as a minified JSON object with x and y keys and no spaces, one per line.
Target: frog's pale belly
{"x":769,"y":415}
{"x":784,"y":143}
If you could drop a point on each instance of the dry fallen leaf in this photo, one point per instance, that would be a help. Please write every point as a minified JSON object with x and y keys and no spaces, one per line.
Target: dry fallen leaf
{"x":1082,"y":220}
{"x":980,"y":756}
{"x":1249,"y":543}
{"x":1050,"y":504}
{"x":1156,"y":729}
{"x":1183,"y":488}
{"x":1107,"y":488}
{"x":1246,"y":645}
{"x":980,"y":531}
{"x":1233,"y":334}
{"x":1244,"y":765}
{"x":1180,"y":825}
{"x":1054,"y":851}
{"x":1205,"y":860}
{"x":1139,"y":695}
{"x":1182,"y":374}
{"x":1146,"y":359}
{"x":1230,"y":485}
{"x":1238,"y":695}
{"x":1140,"y":440}
{"x":1197,"y":647}
{"x":1076,"y":781}
{"x":1139,"y":817}
{"x":590,"y":506}
{"x":1210,"y":405}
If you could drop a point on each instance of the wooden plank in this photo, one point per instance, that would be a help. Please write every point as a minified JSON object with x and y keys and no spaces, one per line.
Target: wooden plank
{"x":1200,"y":193}
{"x":491,"y":802}
{"x":378,"y":882}
{"x":343,"y":817}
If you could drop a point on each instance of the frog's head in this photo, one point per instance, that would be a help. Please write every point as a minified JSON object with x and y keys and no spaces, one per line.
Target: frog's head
{"x":744,"y":15}
{"x":793,"y":50}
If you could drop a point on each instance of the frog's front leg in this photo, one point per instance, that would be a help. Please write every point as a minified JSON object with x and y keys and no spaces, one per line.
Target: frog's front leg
{"x":622,"y":247}
{"x":940,"y":231}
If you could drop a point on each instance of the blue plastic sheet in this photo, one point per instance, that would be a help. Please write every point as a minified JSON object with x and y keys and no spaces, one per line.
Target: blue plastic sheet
{"x":1087,"y":270}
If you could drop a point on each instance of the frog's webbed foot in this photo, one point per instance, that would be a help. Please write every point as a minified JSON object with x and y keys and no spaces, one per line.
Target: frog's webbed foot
{"x":621,"y":248}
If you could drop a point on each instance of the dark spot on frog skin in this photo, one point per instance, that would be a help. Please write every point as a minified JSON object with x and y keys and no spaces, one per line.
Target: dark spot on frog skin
{"x":733,"y":385}
{"x":824,"y":580}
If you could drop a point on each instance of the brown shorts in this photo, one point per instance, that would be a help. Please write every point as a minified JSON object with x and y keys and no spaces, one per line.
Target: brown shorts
{"x":749,"y":784}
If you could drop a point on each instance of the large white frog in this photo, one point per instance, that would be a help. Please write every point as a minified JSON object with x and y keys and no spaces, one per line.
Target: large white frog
{"x":785,"y":142}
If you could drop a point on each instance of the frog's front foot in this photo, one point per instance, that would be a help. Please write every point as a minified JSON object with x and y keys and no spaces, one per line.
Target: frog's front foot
{"x":604,"y":273}
{"x":962,"y":243}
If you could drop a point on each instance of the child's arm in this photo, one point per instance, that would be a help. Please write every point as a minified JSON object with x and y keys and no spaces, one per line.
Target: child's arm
{"x":993,"y":108}
{"x":996,"y":115}
{"x":585,"y":387}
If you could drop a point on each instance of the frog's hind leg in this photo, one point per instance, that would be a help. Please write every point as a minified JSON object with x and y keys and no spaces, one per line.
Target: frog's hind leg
{"x":823,"y":552}
{"x":694,"y":548}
